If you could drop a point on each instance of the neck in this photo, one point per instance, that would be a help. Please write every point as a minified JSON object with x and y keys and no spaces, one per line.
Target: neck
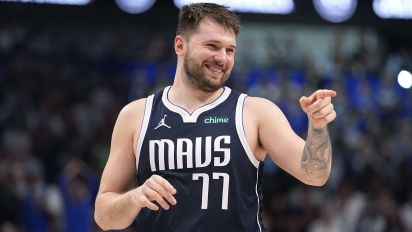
{"x":184,"y":94}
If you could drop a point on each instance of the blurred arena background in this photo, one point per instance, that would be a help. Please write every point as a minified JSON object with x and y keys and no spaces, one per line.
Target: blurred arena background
{"x":66,"y":71}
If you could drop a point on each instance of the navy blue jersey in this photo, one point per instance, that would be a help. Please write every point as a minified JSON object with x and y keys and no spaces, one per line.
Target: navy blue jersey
{"x":206,"y":157}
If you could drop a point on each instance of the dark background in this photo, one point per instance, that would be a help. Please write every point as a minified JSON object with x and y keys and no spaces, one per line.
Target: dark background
{"x":398,"y":32}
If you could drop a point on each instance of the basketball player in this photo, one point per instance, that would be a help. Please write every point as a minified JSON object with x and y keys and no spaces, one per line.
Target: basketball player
{"x":189,"y":158}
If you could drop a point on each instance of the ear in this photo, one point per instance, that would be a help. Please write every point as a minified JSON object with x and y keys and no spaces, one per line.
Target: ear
{"x":180,"y":44}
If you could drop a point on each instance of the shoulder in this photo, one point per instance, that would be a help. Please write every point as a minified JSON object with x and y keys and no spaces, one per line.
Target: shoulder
{"x":133,"y":109}
{"x":136,"y":105}
{"x":130,"y":118}
{"x":259,"y":104}
{"x":253,"y":101}
{"x":262,"y":109}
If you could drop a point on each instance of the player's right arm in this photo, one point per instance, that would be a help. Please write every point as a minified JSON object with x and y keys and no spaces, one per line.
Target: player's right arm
{"x":118,"y":203}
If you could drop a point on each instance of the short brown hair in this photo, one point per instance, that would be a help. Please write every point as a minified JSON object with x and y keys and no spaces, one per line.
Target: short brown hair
{"x":191,"y":15}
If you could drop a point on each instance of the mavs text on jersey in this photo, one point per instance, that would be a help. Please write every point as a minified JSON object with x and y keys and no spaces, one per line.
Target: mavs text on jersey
{"x":206,"y":157}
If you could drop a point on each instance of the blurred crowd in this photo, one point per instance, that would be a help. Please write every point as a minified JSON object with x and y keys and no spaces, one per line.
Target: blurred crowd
{"x":62,"y":86}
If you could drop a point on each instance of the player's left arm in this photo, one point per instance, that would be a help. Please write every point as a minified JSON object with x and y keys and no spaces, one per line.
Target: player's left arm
{"x":317,"y":153}
{"x":310,"y":160}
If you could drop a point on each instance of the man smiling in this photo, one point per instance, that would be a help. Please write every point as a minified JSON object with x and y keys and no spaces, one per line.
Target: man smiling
{"x":198,"y":176}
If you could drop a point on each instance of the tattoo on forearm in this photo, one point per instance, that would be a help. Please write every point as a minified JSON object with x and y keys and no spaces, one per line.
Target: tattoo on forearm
{"x":317,"y":154}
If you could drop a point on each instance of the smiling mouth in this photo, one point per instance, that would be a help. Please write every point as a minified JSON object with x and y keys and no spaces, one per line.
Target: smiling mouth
{"x":215,"y":69}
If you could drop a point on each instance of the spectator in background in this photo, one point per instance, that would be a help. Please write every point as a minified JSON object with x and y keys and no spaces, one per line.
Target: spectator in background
{"x":406,"y":213}
{"x":79,"y":186}
{"x":42,"y":204}
{"x":328,"y":221}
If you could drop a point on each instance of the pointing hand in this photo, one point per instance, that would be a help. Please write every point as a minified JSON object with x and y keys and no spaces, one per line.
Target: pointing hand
{"x":319,"y":107}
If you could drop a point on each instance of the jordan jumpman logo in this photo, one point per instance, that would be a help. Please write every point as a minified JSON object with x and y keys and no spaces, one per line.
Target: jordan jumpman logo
{"x":162,"y":123}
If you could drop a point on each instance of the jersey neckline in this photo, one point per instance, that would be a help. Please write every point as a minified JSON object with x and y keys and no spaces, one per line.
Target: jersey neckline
{"x":192,"y":117}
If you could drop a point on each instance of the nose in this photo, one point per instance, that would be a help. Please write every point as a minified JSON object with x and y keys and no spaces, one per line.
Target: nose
{"x":220,"y":57}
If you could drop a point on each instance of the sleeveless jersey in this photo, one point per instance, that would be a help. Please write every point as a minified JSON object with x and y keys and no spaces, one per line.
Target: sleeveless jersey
{"x":206,"y":157}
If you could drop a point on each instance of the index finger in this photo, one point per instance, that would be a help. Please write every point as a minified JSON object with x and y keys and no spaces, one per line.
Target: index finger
{"x":165,"y":184}
{"x":321,"y":94}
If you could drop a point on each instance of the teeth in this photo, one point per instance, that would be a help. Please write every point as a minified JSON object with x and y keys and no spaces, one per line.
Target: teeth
{"x":215,"y":69}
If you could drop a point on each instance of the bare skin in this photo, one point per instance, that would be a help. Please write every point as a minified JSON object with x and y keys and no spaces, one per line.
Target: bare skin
{"x":211,"y":51}
{"x":317,"y":154}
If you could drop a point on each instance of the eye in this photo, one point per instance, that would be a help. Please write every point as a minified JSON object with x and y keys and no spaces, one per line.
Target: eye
{"x":230,"y":51}
{"x":212,"y":46}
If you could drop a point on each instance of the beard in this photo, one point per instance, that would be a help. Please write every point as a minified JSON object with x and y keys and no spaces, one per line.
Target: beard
{"x":197,"y":78}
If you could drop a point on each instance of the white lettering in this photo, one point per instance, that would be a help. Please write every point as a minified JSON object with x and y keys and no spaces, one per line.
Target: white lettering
{"x":225,"y":189}
{"x":205,"y":187}
{"x":161,"y":153}
{"x":226,"y":151}
{"x":181,"y":144}
{"x":183,"y":151}
{"x":208,"y":152}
